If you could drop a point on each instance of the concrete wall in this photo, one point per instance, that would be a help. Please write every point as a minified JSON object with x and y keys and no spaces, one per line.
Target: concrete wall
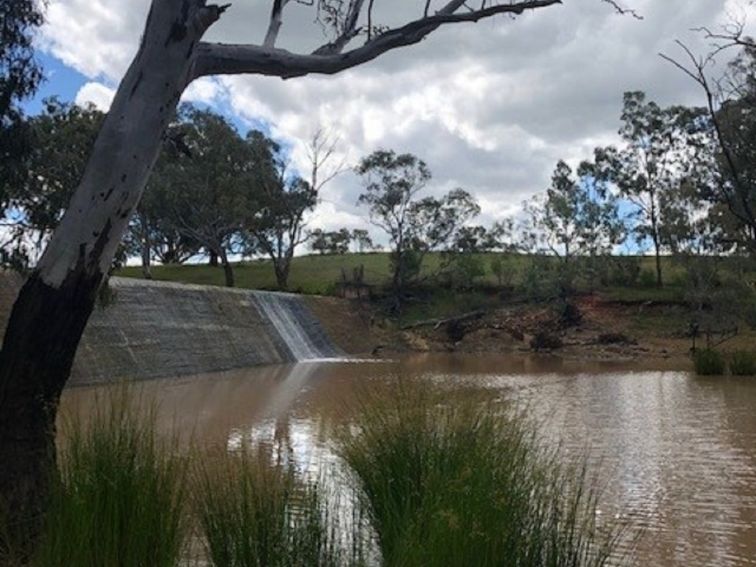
{"x":157,"y":329}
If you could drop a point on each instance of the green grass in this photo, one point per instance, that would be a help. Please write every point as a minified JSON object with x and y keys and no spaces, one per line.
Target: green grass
{"x":709,"y":362}
{"x":318,"y":274}
{"x":253,"y":513}
{"x":120,"y":498}
{"x":469,"y":484}
{"x":743,"y":363}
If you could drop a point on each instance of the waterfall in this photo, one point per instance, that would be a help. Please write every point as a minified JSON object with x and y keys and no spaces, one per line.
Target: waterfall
{"x":299,"y":330}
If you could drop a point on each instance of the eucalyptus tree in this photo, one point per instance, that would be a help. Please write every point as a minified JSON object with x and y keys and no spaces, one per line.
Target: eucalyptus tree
{"x":576,"y":216}
{"x":276,"y":223}
{"x":60,"y":137}
{"x":20,"y":75}
{"x":362,"y":241}
{"x":659,"y":152}
{"x":56,"y":301}
{"x":210,"y":186}
{"x":414,"y":226}
{"x":731,"y":106}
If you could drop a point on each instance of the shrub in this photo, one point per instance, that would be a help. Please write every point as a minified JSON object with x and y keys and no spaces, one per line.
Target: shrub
{"x":120,"y":493}
{"x":709,"y":362}
{"x":743,"y":363}
{"x":253,"y":513}
{"x":467,"y":484}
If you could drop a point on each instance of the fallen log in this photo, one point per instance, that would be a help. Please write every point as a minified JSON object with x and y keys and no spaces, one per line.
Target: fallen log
{"x":436,"y":323}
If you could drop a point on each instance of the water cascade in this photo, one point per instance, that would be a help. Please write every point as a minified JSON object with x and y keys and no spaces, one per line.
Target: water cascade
{"x":299,"y":330}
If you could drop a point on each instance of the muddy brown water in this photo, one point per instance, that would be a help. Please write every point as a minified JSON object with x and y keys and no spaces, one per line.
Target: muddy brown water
{"x":675,"y":453}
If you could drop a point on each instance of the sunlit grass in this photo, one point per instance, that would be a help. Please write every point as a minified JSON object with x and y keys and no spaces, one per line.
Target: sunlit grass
{"x":469,"y":484}
{"x":254,"y":513}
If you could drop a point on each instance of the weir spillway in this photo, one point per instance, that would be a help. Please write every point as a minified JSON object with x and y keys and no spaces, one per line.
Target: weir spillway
{"x":149,"y":329}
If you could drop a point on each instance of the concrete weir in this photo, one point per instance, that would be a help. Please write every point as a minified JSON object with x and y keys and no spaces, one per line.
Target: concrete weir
{"x":148,"y":329}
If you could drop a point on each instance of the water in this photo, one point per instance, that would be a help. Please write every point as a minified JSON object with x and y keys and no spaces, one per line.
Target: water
{"x":675,"y":453}
{"x":299,"y":330}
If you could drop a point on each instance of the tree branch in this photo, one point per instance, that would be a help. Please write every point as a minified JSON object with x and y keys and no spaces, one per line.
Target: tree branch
{"x":227,"y":59}
{"x":276,"y":20}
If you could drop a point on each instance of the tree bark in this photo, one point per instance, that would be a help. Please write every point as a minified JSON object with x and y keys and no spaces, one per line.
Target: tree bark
{"x":146,"y":248}
{"x":281,"y":267}
{"x":213,"y":261}
{"x":228,"y":270}
{"x":53,"y":307}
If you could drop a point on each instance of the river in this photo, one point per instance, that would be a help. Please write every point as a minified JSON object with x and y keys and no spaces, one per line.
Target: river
{"x":675,"y":453}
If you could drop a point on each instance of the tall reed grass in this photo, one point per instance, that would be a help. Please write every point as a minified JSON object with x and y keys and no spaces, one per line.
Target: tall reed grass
{"x":427,"y":483}
{"x":254,"y":513}
{"x":709,"y":362}
{"x":743,"y":363}
{"x":119,"y":496}
{"x":468,"y":484}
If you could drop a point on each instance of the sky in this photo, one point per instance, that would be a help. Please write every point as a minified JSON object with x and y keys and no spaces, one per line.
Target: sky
{"x":491,"y":107}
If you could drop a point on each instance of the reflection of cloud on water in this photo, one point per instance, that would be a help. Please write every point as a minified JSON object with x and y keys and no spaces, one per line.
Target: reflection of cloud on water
{"x":291,"y":441}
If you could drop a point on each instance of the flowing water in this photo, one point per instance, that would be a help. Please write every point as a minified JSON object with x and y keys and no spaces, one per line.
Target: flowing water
{"x":675,"y":453}
{"x":298,"y":328}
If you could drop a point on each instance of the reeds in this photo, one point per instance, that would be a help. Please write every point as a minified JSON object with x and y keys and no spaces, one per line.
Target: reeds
{"x":425,"y":482}
{"x":449,"y":484}
{"x":254,"y":513}
{"x":119,"y":497}
{"x":709,"y":362}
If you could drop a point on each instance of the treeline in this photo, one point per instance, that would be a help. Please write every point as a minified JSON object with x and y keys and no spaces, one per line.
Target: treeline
{"x":213,"y":192}
{"x":682,"y":182}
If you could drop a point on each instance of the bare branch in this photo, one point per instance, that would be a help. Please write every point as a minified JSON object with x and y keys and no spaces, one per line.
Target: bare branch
{"x":276,"y":20}
{"x":214,"y":59}
{"x":624,"y":11}
{"x":349,"y":31}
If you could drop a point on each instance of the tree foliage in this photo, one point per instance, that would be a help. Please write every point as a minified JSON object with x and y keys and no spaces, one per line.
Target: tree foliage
{"x":414,"y":226}
{"x":20,"y":75}
{"x":659,"y":152}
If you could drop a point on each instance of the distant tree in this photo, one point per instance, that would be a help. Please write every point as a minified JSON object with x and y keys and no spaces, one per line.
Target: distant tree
{"x":362,"y":240}
{"x":576,"y":216}
{"x":276,"y":226}
{"x":414,"y":226}
{"x":334,"y":242}
{"x":319,"y":241}
{"x":656,"y":157}
{"x":20,"y":75}
{"x":216,"y":178}
{"x":61,"y":138}
{"x":730,"y":104}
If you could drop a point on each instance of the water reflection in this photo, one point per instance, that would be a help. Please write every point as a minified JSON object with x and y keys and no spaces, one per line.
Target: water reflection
{"x":676,"y":453}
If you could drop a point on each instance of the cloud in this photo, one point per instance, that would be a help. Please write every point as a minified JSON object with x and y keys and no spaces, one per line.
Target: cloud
{"x":491,"y":107}
{"x":99,"y":95}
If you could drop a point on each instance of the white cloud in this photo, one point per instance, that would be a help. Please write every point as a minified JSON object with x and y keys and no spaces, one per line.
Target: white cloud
{"x":97,"y":94}
{"x":491,"y":107}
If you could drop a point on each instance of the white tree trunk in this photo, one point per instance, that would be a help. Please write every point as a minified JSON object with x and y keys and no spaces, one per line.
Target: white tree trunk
{"x":54,"y":305}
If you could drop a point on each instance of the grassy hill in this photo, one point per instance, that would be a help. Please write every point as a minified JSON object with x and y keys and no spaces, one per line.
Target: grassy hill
{"x":319,"y":274}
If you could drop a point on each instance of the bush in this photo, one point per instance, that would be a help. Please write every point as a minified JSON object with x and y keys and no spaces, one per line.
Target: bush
{"x":709,"y":362}
{"x":467,"y":484}
{"x":120,"y":495}
{"x":743,"y":363}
